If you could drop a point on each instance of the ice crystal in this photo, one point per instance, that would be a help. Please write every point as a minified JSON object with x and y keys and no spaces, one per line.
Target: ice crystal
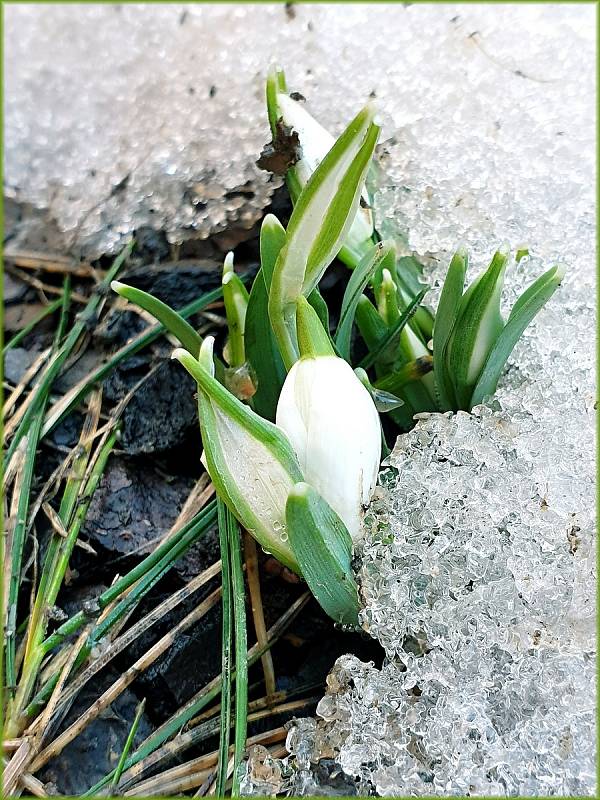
{"x":123,"y":115}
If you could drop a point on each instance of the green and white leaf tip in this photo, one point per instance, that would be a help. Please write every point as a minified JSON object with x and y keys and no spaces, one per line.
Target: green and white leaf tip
{"x":315,"y":143}
{"x":250,"y":460}
{"x":319,"y":223}
{"x":324,"y":550}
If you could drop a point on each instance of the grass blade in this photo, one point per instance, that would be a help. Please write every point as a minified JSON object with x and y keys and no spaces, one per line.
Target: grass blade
{"x":18,"y":337}
{"x":142,"y":578}
{"x":67,"y":403}
{"x":356,"y":286}
{"x":226,"y":650}
{"x":35,"y":656}
{"x":167,"y":316}
{"x":127,"y":747}
{"x":206,"y":695}
{"x":241,"y":650}
{"x":17,"y":543}
{"x":56,"y":363}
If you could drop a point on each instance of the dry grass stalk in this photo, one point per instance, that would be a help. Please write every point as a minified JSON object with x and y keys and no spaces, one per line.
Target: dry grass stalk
{"x":10,"y":523}
{"x":32,"y":785}
{"x":196,"y":769}
{"x":192,"y":737}
{"x":253,"y":705}
{"x":142,"y":663}
{"x":136,"y":630}
{"x":52,"y":485}
{"x":135,"y":772}
{"x":199,"y":496}
{"x":43,"y":720}
{"x":251,"y":559}
{"x":46,"y":288}
{"x":50,"y":262}
{"x":9,"y":745}
{"x":10,"y":401}
{"x":15,"y":767}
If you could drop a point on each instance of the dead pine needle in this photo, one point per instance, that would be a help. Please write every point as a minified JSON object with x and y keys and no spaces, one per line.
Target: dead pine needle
{"x":252,"y":576}
{"x":142,"y":664}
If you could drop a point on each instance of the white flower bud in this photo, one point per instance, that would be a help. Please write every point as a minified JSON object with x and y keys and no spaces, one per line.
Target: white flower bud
{"x":333,"y":426}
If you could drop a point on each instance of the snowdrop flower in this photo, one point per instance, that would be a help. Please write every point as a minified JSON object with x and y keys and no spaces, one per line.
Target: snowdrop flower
{"x":332,"y":424}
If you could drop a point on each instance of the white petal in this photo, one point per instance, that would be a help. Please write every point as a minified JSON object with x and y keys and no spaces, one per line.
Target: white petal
{"x":334,"y":428}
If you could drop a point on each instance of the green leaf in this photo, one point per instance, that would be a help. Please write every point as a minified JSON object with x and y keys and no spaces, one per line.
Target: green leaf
{"x":315,"y":142}
{"x":370,"y":325}
{"x":409,"y":274}
{"x":262,"y":351}
{"x":323,"y":548}
{"x":478,"y":325}
{"x":315,"y":298}
{"x":445,"y":319}
{"x":250,"y":460}
{"x":313,"y":339}
{"x":363,"y":273}
{"x":261,"y":346}
{"x":393,"y":331}
{"x":409,"y":278}
{"x":127,"y":746}
{"x":524,"y":310}
{"x":272,"y":240}
{"x":319,"y":223}
{"x":167,"y":316}
{"x":387,"y":262}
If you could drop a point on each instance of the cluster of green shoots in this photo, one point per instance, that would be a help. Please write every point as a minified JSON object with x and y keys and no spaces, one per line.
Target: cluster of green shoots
{"x":289,"y":414}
